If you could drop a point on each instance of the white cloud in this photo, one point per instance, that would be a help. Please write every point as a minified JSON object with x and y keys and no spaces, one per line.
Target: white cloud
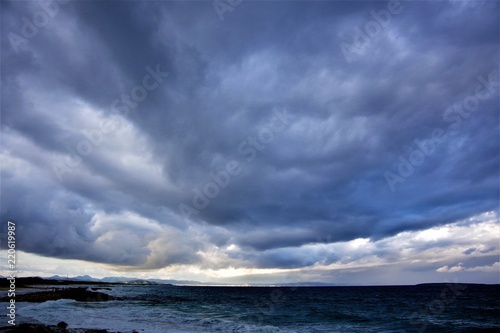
{"x":459,"y":268}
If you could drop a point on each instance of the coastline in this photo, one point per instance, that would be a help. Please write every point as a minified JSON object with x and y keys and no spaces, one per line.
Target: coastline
{"x":61,"y":327}
{"x":35,"y":290}
{"x":80,"y":294}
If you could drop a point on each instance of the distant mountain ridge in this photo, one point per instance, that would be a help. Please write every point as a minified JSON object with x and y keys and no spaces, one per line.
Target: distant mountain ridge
{"x":121,"y":279}
{"x":129,"y":280}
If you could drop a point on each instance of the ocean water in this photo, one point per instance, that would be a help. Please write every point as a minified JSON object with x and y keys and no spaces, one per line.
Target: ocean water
{"x":181,"y":309}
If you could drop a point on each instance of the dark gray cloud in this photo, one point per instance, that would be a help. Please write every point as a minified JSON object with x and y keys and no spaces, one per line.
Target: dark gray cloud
{"x":352,"y":119}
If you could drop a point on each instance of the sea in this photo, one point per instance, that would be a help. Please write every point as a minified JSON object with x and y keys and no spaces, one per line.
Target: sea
{"x":181,"y":309}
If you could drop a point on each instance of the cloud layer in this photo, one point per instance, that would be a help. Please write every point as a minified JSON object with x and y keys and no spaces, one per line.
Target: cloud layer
{"x":151,"y":135}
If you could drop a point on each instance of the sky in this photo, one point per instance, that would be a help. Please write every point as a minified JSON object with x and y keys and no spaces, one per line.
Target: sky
{"x":252,"y":141}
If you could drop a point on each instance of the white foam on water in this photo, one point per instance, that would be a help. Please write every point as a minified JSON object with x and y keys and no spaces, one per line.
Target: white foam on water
{"x":143,"y":316}
{"x":128,"y":316}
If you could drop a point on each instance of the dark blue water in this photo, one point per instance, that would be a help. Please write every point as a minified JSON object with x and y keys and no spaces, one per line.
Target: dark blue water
{"x":425,"y":308}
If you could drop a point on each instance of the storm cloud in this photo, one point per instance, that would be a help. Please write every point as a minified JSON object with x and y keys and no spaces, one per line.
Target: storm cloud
{"x":147,"y":135}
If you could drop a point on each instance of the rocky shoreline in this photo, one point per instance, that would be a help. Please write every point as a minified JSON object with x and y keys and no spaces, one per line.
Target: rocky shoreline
{"x":80,"y":294}
{"x":61,"y":327}
{"x":77,"y":294}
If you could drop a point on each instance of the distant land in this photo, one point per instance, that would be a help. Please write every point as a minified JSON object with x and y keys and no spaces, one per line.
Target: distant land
{"x":57,"y":279}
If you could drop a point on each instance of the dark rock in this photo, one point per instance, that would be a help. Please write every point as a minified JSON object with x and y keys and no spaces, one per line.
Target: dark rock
{"x":62,"y":324}
{"x":40,"y":328}
{"x":31,"y":328}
